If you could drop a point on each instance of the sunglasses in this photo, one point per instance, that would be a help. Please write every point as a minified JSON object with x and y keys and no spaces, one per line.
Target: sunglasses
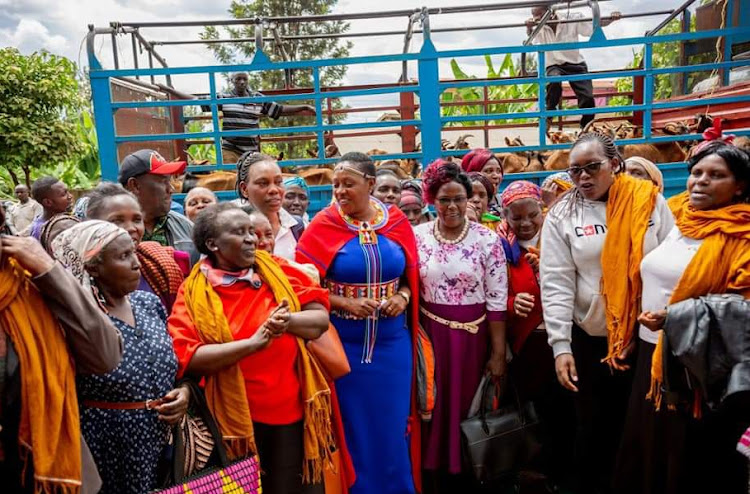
{"x":591,"y":169}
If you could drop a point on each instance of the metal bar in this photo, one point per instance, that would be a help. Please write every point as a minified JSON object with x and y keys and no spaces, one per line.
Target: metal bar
{"x":542,"y":101}
{"x":596,"y":15}
{"x":261,"y":99}
{"x":486,"y":108}
{"x":307,"y":64}
{"x":101,"y":95}
{"x":648,"y":89}
{"x":267,"y":131}
{"x":135,"y":53}
{"x":670,"y":17}
{"x":429,"y":96}
{"x":393,"y":33}
{"x":407,"y":44}
{"x":284,"y":55}
{"x":357,"y":16}
{"x":151,"y":65}
{"x":145,"y":85}
{"x":424,"y":18}
{"x":538,"y":27}
{"x":115,"y":55}
{"x":319,"y":114}
{"x":215,"y":120}
{"x":147,"y":45}
{"x":596,"y":111}
{"x":685,"y":26}
{"x":443,"y":86}
{"x":727,"y":54}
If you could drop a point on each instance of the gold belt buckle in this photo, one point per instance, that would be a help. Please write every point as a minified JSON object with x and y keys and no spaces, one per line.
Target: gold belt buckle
{"x":466,"y":326}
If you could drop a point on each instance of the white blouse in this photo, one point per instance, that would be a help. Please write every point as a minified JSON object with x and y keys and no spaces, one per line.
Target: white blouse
{"x":661,"y":270}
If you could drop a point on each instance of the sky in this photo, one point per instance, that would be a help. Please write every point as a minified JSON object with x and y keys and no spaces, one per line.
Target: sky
{"x":61,"y":27}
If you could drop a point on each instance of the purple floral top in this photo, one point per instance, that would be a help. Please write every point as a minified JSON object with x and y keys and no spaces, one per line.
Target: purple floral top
{"x":470,"y":272}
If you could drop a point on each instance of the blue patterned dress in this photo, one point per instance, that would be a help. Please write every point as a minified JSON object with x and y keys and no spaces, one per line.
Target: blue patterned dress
{"x":374,"y":398}
{"x":127,"y":444}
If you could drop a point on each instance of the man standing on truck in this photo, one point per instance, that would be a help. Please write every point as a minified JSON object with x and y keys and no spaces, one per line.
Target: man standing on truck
{"x":246,"y":116}
{"x":565,"y":62}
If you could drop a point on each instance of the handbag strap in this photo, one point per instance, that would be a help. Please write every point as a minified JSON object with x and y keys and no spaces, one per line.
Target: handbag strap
{"x":488,"y":383}
{"x":200,"y":407}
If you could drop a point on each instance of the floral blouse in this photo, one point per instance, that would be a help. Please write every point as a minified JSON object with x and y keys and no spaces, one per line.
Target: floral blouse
{"x":470,"y":272}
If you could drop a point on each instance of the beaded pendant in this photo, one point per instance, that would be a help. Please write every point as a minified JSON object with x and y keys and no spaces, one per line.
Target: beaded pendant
{"x":367,"y":230}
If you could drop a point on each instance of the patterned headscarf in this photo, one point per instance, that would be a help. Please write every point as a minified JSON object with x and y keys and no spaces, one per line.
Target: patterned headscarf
{"x":409,"y":197}
{"x":475,"y":160}
{"x":54,"y":227}
{"x":653,"y":172}
{"x":561,"y":179}
{"x":79,"y":245}
{"x":297,"y":182}
{"x":516,"y":191}
{"x":520,"y":189}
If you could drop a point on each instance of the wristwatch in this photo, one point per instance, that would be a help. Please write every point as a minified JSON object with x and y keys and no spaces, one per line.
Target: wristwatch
{"x":404,"y":294}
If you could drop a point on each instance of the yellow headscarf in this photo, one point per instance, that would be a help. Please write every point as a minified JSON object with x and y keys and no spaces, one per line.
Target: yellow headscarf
{"x":225,"y":390}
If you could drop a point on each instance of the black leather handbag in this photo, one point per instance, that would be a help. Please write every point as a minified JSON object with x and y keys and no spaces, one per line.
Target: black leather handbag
{"x":498,"y":443}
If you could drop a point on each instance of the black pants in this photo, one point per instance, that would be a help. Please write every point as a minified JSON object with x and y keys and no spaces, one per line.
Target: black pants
{"x":600,"y":404}
{"x":584,"y":90}
{"x":532,"y":371}
{"x":281,"y":452}
{"x":669,"y":452}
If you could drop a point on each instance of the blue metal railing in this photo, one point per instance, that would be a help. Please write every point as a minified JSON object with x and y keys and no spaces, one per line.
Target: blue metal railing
{"x":430,"y":120}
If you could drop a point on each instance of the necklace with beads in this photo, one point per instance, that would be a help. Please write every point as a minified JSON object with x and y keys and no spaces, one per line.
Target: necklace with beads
{"x":461,"y":236}
{"x":366,"y":229}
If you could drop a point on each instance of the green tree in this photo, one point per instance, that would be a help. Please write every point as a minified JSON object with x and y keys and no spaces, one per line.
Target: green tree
{"x":293,"y":50}
{"x":38,"y":118}
{"x":664,"y":55}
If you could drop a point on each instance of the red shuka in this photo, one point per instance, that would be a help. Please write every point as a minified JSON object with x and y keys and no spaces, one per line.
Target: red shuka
{"x":522,"y":279}
{"x":320,"y":243}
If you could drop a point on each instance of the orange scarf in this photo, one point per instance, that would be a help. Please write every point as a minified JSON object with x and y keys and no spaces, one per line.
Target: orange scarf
{"x":721,"y":265}
{"x":225,"y":390}
{"x":629,"y":208}
{"x":49,"y":430}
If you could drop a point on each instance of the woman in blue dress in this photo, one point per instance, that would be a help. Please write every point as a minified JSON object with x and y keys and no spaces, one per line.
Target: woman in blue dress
{"x":365,"y":252}
{"x":125,"y":414}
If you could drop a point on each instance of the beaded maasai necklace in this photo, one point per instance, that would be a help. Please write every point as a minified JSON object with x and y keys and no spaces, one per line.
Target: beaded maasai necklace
{"x":368,"y":242}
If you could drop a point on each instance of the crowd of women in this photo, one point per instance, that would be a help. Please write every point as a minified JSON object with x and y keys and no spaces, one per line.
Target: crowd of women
{"x":558,"y":293}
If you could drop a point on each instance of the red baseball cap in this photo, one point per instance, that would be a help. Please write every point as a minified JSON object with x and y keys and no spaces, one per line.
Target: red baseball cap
{"x":148,"y":161}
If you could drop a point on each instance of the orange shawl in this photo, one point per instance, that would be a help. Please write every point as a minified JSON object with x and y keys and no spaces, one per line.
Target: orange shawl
{"x":225,"y":390}
{"x":629,"y":208}
{"x":49,"y":430}
{"x":721,"y":265}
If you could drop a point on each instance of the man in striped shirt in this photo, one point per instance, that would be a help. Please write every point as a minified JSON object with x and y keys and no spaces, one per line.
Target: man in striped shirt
{"x":246,"y":116}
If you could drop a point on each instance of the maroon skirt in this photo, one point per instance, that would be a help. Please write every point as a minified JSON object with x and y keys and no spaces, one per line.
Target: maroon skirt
{"x":460,"y":360}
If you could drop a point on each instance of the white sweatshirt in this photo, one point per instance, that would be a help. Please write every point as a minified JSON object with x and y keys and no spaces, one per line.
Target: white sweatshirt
{"x":571,"y":269}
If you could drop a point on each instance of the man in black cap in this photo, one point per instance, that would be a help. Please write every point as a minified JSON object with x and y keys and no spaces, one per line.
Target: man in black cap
{"x":147,"y":175}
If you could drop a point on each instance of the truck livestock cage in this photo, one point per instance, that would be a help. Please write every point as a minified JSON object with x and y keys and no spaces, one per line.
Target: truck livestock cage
{"x":134,"y":106}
